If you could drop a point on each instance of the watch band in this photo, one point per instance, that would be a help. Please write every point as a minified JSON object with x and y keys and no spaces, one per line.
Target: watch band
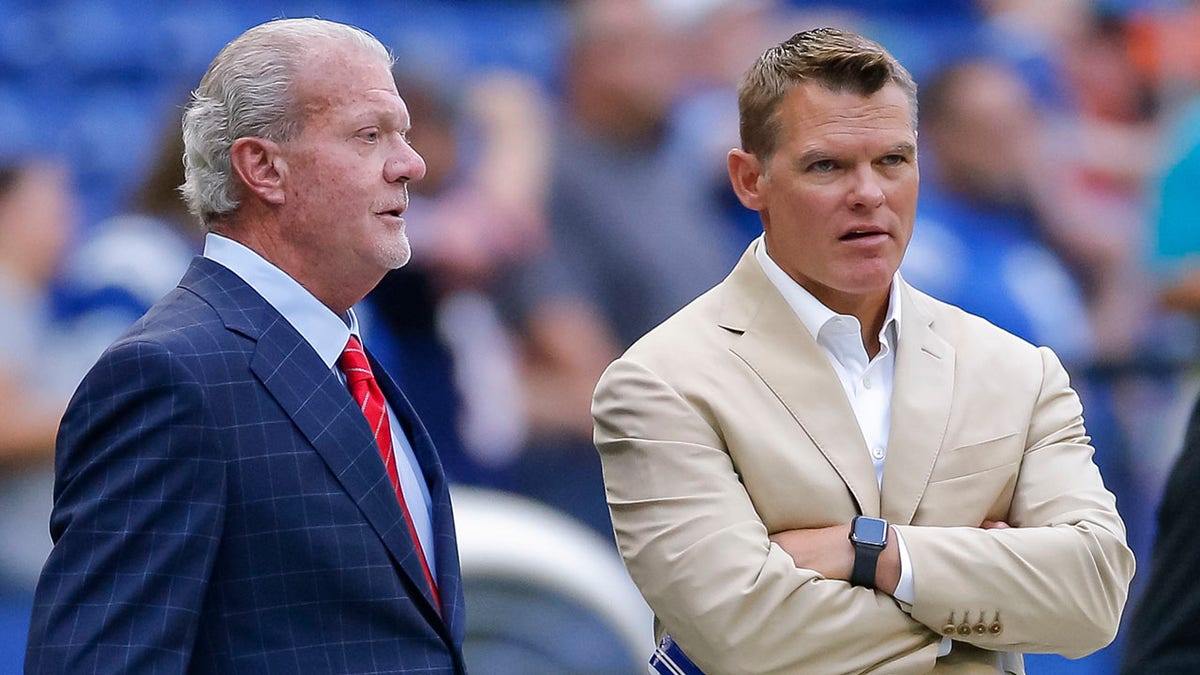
{"x":863,"y":573}
{"x":868,"y":536}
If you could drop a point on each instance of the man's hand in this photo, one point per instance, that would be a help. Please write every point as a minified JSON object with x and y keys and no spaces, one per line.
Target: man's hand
{"x":828,"y":552}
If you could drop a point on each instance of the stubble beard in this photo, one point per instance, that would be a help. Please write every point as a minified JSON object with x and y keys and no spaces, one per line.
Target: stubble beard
{"x":396,"y":251}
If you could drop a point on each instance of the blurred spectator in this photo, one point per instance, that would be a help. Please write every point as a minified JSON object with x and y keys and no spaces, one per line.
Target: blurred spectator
{"x":1175,"y":252}
{"x":977,"y":219}
{"x":633,"y":238}
{"x":477,"y":213}
{"x":1028,"y":35}
{"x":1163,"y":46}
{"x":1162,"y":40}
{"x":716,"y":39}
{"x":1094,"y":106}
{"x":127,"y":262}
{"x":37,"y":375}
{"x":1097,"y":206}
{"x":634,"y":231}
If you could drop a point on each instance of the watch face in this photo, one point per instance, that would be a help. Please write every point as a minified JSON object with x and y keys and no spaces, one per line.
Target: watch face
{"x":870,"y":530}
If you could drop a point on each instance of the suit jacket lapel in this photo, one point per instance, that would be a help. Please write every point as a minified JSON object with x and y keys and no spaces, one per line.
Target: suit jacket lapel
{"x":921,"y":396}
{"x":321,"y":407}
{"x":326,"y":414}
{"x":781,"y":351}
{"x":447,"y":574}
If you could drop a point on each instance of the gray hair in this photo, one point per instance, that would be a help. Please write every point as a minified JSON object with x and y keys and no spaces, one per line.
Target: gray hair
{"x":246,"y":92}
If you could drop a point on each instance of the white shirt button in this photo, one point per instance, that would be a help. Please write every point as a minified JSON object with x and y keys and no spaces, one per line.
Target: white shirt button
{"x":867,"y":381}
{"x":877,"y":452}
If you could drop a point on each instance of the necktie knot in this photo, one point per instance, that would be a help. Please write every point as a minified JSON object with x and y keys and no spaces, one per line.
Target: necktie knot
{"x":353,"y":362}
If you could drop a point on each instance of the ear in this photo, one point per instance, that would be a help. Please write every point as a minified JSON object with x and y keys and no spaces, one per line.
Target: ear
{"x":260,"y":166}
{"x":746,"y":175}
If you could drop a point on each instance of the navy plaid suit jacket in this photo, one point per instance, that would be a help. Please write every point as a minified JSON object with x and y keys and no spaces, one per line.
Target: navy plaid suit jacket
{"x":221,"y":507}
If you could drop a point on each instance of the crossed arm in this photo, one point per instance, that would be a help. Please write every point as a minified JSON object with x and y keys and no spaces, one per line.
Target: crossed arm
{"x":827,"y":551}
{"x":738,"y":598}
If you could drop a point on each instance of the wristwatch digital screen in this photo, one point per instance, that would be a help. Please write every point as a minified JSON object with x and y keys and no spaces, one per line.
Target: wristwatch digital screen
{"x":869,"y":537}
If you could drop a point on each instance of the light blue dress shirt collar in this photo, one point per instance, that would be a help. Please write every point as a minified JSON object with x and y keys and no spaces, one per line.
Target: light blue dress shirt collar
{"x":317,"y":324}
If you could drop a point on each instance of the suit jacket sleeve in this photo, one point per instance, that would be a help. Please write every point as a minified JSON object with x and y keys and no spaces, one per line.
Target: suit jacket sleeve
{"x":694,"y":544}
{"x":137,"y":516}
{"x":1057,"y":580}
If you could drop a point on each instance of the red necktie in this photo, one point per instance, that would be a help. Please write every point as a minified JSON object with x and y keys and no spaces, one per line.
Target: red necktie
{"x":369,"y":397}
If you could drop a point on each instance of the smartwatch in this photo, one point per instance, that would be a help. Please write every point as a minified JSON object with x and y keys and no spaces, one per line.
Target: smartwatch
{"x":869,"y":537}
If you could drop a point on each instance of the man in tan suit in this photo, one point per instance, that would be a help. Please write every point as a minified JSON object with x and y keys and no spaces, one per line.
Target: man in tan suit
{"x":813,"y":397}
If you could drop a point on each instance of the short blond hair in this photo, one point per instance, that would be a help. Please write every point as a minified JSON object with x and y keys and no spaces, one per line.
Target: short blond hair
{"x":835,"y":59}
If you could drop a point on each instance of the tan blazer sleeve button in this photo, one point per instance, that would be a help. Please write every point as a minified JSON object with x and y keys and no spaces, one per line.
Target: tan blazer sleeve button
{"x":995,"y":628}
{"x":949,"y":628}
{"x":965,"y":627}
{"x":980,"y":627}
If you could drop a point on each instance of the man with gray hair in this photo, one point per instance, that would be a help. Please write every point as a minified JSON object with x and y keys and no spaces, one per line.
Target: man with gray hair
{"x":239,"y":486}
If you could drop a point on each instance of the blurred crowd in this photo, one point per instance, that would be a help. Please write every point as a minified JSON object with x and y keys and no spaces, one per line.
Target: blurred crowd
{"x":567,"y":211}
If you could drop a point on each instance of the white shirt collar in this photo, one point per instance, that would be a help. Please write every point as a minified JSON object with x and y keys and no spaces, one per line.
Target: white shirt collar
{"x":812,"y":313}
{"x":325,"y":331}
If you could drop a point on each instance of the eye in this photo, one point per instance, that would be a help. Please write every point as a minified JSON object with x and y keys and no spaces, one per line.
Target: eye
{"x":369,"y":135}
{"x":893,"y":159}
{"x":822,"y":166}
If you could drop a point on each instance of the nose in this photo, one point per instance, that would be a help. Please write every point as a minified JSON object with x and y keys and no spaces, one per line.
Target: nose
{"x":405,"y":165}
{"x":866,"y":190}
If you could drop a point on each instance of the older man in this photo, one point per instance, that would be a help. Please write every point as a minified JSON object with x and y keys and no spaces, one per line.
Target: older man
{"x":239,"y":487}
{"x":815,"y":468}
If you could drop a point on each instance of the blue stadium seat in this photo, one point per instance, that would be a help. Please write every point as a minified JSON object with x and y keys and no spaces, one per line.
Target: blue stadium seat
{"x":17,"y":129}
{"x":104,"y":38}
{"x":25,"y":33}
{"x":114,"y":130}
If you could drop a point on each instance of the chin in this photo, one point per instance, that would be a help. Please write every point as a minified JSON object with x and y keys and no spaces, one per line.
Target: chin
{"x":396,"y":254}
{"x":868,"y":286}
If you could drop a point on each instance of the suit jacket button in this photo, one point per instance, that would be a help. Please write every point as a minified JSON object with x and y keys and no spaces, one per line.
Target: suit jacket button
{"x":964,"y":628}
{"x":950,"y":628}
{"x":996,"y":628}
{"x":979,"y":628}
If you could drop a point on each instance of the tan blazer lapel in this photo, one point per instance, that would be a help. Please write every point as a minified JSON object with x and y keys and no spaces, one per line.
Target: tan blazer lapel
{"x":781,"y":351}
{"x":921,"y":397}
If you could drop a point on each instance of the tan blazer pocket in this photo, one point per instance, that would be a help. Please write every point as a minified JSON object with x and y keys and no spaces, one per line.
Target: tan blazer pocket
{"x":972,"y":483}
{"x":975,"y":458}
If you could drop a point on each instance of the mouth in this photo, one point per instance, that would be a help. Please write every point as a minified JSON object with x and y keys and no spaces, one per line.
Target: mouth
{"x":864,"y":234}
{"x":392,"y":214}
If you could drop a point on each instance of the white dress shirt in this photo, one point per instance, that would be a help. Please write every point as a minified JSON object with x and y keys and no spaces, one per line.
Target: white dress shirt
{"x":328,"y":334}
{"x":868,"y":382}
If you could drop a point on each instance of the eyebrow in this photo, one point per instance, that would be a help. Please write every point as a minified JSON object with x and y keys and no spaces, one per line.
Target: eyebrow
{"x":811,"y":156}
{"x":815,"y":155}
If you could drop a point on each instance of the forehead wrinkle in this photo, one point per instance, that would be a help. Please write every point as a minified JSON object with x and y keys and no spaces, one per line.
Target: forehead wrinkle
{"x":872,"y":117}
{"x":813,"y":108}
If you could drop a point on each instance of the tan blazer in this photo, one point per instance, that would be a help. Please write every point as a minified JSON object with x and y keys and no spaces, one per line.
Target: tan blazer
{"x":727,"y":423}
